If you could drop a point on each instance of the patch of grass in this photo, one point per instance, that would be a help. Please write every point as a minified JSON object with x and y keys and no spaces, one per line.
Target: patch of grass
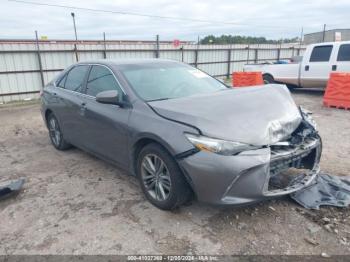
{"x":16,"y":103}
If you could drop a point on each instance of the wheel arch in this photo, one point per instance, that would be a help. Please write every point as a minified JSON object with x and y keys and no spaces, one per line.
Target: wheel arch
{"x":48,"y":111}
{"x":141,"y":142}
{"x":148,"y":139}
{"x":268,"y":74}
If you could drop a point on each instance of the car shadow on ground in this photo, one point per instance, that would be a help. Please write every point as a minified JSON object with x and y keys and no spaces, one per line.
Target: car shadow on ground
{"x":308,"y":91}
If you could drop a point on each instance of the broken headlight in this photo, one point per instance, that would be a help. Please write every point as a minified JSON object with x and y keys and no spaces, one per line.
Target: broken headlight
{"x":218,"y":146}
{"x":307,"y":116}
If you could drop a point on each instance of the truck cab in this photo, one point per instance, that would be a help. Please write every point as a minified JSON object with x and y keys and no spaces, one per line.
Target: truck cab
{"x":322,"y":59}
{"x":318,"y":61}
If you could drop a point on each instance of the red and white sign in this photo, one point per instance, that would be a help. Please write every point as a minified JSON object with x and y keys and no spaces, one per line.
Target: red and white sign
{"x":176,"y":43}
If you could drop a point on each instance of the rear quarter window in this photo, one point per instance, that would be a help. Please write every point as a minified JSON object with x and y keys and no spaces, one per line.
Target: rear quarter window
{"x":344,"y":53}
{"x":62,"y":80}
{"x":321,"y":53}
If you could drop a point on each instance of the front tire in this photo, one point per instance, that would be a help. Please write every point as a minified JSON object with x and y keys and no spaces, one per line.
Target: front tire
{"x":161,"y":179}
{"x":55,"y":133}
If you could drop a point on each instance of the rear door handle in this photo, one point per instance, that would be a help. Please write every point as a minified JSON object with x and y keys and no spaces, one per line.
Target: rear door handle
{"x":307,"y":67}
{"x":334,"y":67}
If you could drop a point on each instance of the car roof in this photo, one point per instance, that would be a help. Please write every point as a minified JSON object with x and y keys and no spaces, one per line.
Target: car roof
{"x":331,"y":43}
{"x":116,"y":62}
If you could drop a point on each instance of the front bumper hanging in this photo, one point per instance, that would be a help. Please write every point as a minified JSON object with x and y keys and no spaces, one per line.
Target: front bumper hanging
{"x":251,"y":176}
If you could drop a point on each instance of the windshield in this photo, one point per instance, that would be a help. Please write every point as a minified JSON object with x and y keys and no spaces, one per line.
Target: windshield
{"x":157,"y":81}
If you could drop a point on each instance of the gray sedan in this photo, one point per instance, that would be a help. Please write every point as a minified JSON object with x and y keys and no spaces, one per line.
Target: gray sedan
{"x":183,"y":133}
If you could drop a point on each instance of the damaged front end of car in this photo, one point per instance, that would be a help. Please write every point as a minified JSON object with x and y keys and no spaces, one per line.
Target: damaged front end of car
{"x":285,"y":166}
{"x":294,"y":162}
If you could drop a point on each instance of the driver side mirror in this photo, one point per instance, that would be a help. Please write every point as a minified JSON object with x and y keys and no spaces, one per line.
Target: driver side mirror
{"x":108,"y":97}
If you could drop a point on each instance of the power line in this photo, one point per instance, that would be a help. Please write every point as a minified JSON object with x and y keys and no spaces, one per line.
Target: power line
{"x":147,"y":15}
{"x":127,"y":13}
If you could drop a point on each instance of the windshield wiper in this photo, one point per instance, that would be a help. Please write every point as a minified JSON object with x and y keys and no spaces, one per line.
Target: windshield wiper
{"x":158,"y":99}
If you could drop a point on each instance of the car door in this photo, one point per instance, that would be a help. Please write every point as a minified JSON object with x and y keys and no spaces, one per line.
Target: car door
{"x":105,"y":125}
{"x":315,"y":72}
{"x":343,"y":59}
{"x":68,"y":95}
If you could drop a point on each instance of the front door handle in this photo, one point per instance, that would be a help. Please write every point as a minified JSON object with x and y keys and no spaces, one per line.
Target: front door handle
{"x":334,"y":67}
{"x":82,"y":108}
{"x":307,"y":67}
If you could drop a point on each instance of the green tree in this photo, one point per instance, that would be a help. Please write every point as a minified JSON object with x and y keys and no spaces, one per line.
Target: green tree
{"x":237,"y":39}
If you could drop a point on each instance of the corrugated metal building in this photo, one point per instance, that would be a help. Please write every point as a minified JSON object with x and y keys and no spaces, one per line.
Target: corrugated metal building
{"x":330,"y":36}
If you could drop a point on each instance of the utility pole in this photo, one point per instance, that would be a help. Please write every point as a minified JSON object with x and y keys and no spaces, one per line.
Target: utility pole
{"x":324,"y":33}
{"x":301,"y":39}
{"x":76,"y":37}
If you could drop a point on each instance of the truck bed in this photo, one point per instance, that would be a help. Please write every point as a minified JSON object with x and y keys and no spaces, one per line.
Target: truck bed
{"x":282,"y":73}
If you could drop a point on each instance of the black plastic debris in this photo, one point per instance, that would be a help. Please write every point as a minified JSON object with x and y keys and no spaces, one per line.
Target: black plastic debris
{"x":11,"y":187}
{"x":326,"y":190}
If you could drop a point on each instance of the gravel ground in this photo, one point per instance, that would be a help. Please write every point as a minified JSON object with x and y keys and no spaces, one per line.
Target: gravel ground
{"x":73,"y":203}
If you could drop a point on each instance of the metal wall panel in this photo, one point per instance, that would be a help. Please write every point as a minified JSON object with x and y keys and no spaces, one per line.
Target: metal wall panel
{"x":267,"y":54}
{"x":237,"y":66}
{"x":57,"y":60}
{"x":214,"y":69}
{"x":19,"y":66}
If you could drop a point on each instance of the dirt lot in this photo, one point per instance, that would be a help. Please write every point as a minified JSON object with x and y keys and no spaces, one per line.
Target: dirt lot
{"x":73,"y":203}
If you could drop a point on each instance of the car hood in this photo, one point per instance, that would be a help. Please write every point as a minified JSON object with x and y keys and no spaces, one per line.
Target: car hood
{"x":261,"y":115}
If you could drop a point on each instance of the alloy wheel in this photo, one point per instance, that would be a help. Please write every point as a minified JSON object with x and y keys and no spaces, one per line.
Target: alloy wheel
{"x":54,"y":131}
{"x":156,"y":177}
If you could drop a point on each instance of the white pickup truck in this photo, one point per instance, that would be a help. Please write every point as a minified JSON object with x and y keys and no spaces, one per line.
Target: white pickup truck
{"x":318,"y":61}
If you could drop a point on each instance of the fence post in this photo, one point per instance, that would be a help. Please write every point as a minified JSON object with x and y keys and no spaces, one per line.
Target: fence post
{"x":76,"y":52}
{"x":279,"y":52}
{"x":228,"y":63}
{"x":196,"y":54}
{"x":182,"y":53}
{"x":256,"y":55}
{"x":39,"y":60}
{"x":157,"y":46}
{"x":248,"y":48}
{"x":104,"y":46}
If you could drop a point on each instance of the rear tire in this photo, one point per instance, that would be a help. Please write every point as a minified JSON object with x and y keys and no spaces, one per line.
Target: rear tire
{"x":55,"y":133}
{"x":268,"y":79}
{"x":161,"y":179}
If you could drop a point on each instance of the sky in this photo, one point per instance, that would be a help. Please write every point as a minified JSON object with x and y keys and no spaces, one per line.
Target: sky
{"x":273,"y":19}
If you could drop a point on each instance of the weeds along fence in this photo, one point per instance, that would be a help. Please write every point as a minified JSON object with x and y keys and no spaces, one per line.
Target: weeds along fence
{"x":26,"y":66}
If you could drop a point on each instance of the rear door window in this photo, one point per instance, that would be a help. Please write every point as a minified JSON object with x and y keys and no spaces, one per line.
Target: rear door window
{"x":344,"y":53}
{"x":101,"y":79}
{"x":75,"y":78}
{"x":321,"y":53}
